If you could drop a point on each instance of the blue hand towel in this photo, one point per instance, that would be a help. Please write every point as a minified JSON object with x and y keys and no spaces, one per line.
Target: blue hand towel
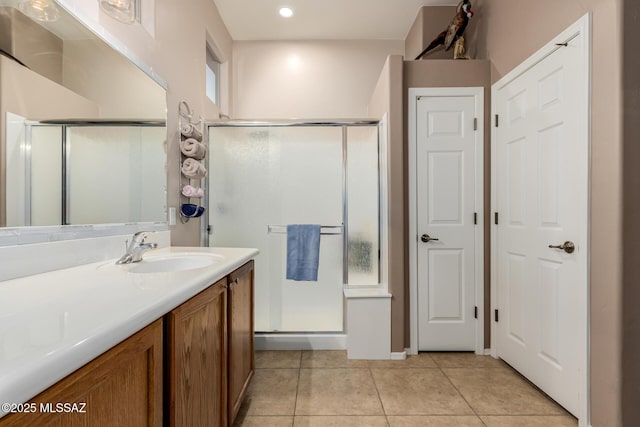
{"x":303,"y":252}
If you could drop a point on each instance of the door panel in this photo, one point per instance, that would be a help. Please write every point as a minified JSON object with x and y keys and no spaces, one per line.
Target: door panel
{"x":445,"y":187}
{"x":446,"y":183}
{"x":548,"y":286}
{"x":517,"y":298}
{"x":240,"y":322}
{"x":445,"y":124}
{"x":446,"y":292}
{"x":517,"y":193}
{"x":549,"y":150}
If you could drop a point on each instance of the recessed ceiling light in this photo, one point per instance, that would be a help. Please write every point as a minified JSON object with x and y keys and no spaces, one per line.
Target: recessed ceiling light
{"x":286,"y":12}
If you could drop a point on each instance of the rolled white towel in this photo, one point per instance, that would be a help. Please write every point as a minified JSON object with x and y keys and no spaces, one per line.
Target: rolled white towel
{"x":191,"y":191}
{"x":191,"y":168}
{"x":190,"y":147}
{"x":191,"y":131}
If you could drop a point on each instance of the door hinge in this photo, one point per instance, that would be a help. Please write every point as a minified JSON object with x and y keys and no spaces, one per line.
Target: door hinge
{"x":495,"y":314}
{"x":497,"y":120}
{"x":475,"y":218}
{"x":495,"y":218}
{"x":475,"y":312}
{"x":475,"y":123}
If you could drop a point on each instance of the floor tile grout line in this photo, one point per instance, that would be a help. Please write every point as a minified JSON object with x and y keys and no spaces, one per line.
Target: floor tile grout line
{"x":462,"y":395}
{"x":432,"y":359}
{"x":522,"y":379}
{"x":530,"y":415}
{"x":386,"y":417}
{"x":295,"y":402}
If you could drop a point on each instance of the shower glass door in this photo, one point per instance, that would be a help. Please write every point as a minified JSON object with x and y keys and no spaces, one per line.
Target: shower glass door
{"x":263,"y":178}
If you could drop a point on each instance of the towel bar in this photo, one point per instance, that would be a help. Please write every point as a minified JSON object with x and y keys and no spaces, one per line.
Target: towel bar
{"x":282,"y":229}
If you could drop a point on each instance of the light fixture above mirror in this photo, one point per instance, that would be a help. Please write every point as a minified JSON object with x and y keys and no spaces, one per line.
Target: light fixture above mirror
{"x":121,"y":10}
{"x":42,"y":10}
{"x":286,"y":12}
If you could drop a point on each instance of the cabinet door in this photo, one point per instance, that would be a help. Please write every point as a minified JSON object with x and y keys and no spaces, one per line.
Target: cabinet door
{"x":241,"y":359}
{"x":122,"y":387}
{"x":197,"y":343}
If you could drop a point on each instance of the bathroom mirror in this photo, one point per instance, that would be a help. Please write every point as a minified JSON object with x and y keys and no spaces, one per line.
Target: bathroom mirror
{"x":83,"y":137}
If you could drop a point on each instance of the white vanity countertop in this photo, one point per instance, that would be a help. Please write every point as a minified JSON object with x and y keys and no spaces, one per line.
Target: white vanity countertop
{"x":53,"y":323}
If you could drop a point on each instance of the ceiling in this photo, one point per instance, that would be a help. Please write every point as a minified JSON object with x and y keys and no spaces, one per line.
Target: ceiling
{"x":322,"y":19}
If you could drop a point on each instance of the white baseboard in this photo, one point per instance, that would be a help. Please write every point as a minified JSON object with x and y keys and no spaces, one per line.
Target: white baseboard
{"x":410,"y":352}
{"x":300,"y":341}
{"x":487,"y":352}
{"x":400,"y":355}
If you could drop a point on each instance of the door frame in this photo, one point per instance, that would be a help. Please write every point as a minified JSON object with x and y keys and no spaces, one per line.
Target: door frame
{"x":414,"y":95}
{"x":581,"y":26}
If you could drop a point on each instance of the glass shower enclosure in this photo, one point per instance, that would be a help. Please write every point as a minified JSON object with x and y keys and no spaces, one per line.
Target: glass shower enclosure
{"x":264,"y":176}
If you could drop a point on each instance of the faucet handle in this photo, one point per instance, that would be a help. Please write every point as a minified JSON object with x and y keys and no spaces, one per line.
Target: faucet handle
{"x":140,"y":236}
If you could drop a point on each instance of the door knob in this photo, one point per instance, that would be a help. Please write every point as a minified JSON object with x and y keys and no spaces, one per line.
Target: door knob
{"x":426,"y":238}
{"x":567,"y":246}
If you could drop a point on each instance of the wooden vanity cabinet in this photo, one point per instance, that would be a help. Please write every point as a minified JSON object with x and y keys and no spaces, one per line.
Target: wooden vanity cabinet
{"x":241,"y":354}
{"x":204,"y":363}
{"x":196,"y":343}
{"x":122,"y":387}
{"x":209,"y":349}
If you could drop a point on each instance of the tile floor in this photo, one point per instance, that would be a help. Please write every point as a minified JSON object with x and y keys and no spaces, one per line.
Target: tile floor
{"x":324,"y":388}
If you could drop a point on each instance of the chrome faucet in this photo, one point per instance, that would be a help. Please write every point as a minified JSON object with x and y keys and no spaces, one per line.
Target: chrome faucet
{"x":136,"y":248}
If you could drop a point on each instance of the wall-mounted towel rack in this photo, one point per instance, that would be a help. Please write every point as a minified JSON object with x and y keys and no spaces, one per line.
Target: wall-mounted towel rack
{"x":193,"y":210}
{"x":324,"y":229}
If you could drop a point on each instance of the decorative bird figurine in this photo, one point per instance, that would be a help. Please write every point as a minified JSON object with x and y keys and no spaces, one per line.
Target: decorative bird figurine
{"x":454,"y":31}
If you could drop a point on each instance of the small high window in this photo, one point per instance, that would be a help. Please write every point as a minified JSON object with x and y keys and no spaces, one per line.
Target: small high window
{"x":212,"y":77}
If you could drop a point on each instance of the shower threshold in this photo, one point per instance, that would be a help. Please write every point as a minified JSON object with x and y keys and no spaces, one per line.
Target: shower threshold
{"x":300,"y":341}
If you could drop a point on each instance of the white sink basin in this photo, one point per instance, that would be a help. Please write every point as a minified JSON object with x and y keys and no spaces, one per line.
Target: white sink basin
{"x":168,"y":263}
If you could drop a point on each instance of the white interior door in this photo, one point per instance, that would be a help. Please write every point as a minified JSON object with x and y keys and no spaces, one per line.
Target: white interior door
{"x":446,"y":151}
{"x":541,"y":167}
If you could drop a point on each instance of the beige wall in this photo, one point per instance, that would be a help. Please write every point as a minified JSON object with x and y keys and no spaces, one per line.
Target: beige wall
{"x":508,"y":33}
{"x":390,"y":96}
{"x":387,"y":99}
{"x":630,"y":223}
{"x":450,"y":73}
{"x":307,"y":79}
{"x":30,"y":95}
{"x":126,"y":92}
{"x":429,"y":23}
{"x":177,"y":54}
